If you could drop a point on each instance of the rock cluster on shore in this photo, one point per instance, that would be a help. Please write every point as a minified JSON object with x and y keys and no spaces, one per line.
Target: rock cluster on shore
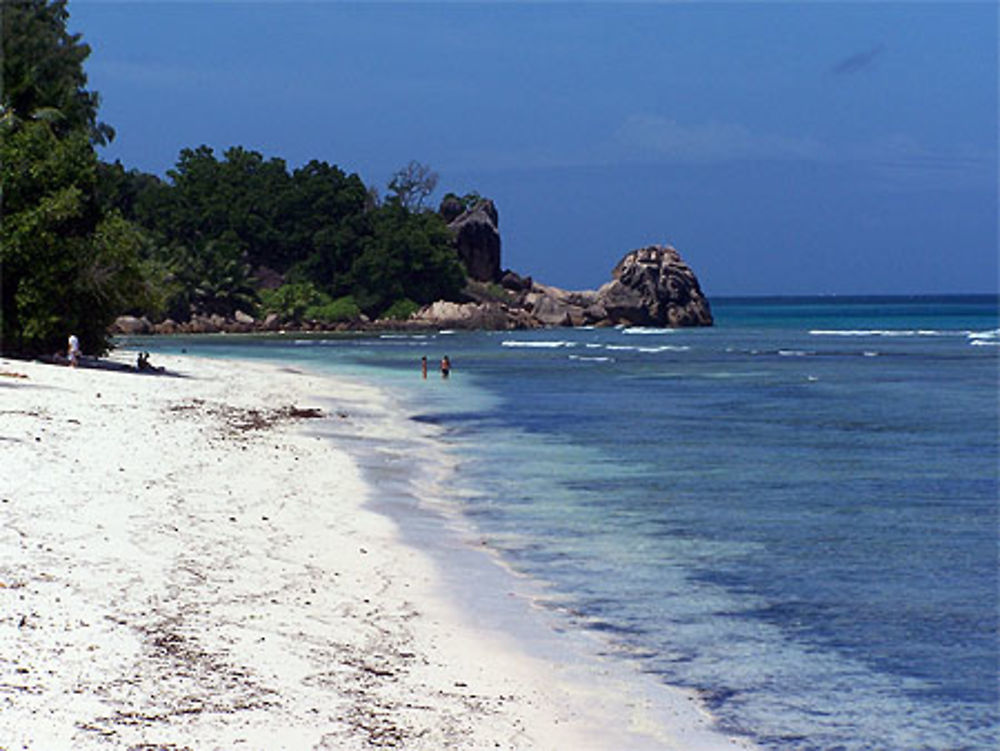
{"x":240,"y":323}
{"x":650,"y":286}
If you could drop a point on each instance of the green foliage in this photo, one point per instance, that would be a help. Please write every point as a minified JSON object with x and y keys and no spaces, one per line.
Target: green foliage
{"x":491,"y":291}
{"x":66,"y":264}
{"x":309,"y":222}
{"x":335,"y":311}
{"x":301,"y":301}
{"x":210,"y":278}
{"x":325,"y":219}
{"x":466,"y":202}
{"x":313,"y":215}
{"x":408,"y":256}
{"x":316,"y":226}
{"x":127,"y":192}
{"x":291,"y":301}
{"x":43,"y":77}
{"x":401,"y":310}
{"x":158,"y":287}
{"x":82,"y":242}
{"x":112,"y":277}
{"x":65,"y":267}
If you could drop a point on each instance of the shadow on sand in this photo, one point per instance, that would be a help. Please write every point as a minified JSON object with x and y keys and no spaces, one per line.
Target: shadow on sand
{"x":97,"y":363}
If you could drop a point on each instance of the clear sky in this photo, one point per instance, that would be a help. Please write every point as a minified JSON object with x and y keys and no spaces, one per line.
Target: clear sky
{"x":783,"y":148}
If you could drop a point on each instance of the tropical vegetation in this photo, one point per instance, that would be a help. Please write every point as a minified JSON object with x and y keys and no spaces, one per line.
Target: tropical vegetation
{"x":83,"y":241}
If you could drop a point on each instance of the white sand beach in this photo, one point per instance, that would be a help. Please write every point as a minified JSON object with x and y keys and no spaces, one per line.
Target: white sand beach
{"x":184,"y":564}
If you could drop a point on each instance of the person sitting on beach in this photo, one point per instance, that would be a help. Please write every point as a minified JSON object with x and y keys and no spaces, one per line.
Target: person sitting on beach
{"x":73,"y":351}
{"x":142,"y":363}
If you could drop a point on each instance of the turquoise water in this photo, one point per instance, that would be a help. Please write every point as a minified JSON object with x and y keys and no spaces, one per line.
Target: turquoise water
{"x":794,"y":512}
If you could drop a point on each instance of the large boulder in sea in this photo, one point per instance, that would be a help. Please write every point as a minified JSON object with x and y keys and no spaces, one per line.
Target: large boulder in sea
{"x":653,"y":286}
{"x":477,"y":239}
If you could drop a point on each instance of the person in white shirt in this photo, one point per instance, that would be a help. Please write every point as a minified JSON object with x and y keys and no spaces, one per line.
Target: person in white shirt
{"x":73,"y":351}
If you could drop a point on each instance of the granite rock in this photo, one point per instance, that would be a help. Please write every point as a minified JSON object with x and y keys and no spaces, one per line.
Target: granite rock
{"x":653,"y":286}
{"x":131,"y":326}
{"x":477,"y":240}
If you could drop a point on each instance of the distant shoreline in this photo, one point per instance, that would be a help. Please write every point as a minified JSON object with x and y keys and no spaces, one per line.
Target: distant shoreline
{"x":229,"y":326}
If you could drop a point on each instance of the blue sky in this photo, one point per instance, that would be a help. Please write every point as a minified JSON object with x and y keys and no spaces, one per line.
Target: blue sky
{"x":783,"y":148}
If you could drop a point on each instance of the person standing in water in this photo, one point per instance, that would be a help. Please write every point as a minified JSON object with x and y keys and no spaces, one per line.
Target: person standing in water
{"x":445,"y":367}
{"x":423,"y":366}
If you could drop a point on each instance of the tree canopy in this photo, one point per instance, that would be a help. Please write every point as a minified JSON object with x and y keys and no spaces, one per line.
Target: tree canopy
{"x":84,"y":241}
{"x":66,"y":266}
{"x":407,"y":257}
{"x":315,"y":225}
{"x":43,"y":76}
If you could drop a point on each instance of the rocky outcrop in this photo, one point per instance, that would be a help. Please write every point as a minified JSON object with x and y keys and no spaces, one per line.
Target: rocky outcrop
{"x":653,"y":286}
{"x":477,"y":239}
{"x":471,"y":315}
{"x":514,"y":282}
{"x":650,"y":286}
{"x":131,"y":326}
{"x":552,"y":306}
{"x":451,"y":208}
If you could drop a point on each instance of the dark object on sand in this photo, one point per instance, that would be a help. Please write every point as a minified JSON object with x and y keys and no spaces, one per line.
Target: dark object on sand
{"x":142,"y":364}
{"x":304,"y":412}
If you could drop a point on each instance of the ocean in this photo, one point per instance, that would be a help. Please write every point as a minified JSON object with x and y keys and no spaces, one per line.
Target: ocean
{"x":794,"y":512}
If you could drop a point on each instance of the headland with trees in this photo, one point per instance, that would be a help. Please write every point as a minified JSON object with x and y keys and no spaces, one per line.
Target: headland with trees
{"x":83,"y":241}
{"x":238,"y":239}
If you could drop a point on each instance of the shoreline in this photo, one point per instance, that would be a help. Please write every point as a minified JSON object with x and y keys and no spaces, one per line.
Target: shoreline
{"x":173,"y":576}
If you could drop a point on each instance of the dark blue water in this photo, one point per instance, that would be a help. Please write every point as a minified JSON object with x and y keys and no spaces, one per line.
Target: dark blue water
{"x":795,"y":512}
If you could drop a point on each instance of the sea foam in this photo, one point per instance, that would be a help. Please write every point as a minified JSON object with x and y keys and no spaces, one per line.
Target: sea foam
{"x":646,"y":330}
{"x":989,"y":338}
{"x":537,"y":345}
{"x":886,"y":332}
